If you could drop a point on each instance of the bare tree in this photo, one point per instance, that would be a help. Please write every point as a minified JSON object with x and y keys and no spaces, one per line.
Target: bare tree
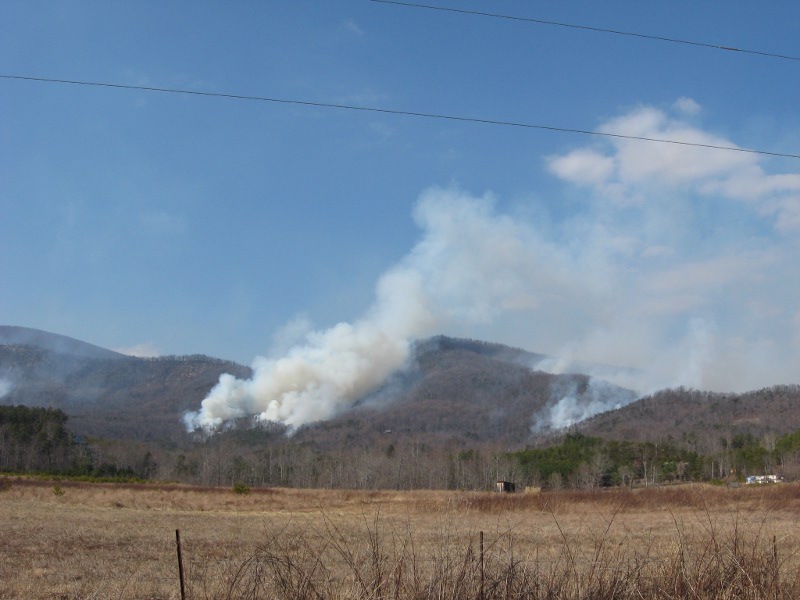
{"x":555,"y":481}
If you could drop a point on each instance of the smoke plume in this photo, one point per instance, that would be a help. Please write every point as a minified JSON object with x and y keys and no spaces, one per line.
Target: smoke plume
{"x":575,"y":399}
{"x":5,"y":387}
{"x":678,"y":263}
{"x":468,"y":266}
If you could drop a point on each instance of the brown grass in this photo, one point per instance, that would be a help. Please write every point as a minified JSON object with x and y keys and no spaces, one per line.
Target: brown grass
{"x":118,"y":541}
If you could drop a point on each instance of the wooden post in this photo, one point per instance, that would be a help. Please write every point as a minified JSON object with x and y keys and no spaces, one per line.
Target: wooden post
{"x":482,"y":564}
{"x":180,"y":564}
{"x":775,"y":577}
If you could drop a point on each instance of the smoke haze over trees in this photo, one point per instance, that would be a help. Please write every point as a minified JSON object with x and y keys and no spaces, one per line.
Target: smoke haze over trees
{"x":463,"y":414}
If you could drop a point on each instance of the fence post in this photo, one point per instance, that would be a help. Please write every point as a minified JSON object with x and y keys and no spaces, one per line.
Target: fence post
{"x":180,"y":563}
{"x":775,"y":566}
{"x":482,"y":564}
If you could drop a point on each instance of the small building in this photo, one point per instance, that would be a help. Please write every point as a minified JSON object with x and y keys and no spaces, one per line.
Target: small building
{"x":505,"y":486}
{"x":762,"y":479}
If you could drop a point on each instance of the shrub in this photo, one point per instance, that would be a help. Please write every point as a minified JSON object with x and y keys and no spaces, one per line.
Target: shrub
{"x":240,"y":488}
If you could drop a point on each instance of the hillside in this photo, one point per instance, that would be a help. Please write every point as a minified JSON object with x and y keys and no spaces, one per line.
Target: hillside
{"x":455,"y":392}
{"x":692,"y":414}
{"x":107,"y":394}
{"x":53,"y":342}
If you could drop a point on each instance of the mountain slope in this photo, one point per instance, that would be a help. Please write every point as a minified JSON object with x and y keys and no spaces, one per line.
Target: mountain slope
{"x":54,"y":342}
{"x":458,"y":392}
{"x":107,"y":394}
{"x":455,"y":392}
{"x":683,"y":413}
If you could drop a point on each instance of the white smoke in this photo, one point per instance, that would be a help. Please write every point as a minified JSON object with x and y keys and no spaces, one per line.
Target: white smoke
{"x":470,"y":264}
{"x":576,"y":399}
{"x":587,"y":390}
{"x":332,"y":369}
{"x":145,"y":350}
{"x":678,"y":263}
{"x":684,"y":362}
{"x":5,"y":387}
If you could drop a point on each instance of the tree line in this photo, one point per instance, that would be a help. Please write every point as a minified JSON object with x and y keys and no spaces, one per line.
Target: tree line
{"x":38,"y":440}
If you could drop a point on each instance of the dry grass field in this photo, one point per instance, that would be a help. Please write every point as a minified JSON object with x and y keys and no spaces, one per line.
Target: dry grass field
{"x":118,"y":541}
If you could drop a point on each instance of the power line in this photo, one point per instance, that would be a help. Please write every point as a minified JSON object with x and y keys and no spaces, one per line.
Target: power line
{"x":391,"y":111}
{"x":587,"y":28}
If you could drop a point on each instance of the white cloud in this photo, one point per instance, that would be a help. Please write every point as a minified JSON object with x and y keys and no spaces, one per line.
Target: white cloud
{"x":583,"y":166}
{"x":753,"y":184}
{"x":669,"y":163}
{"x":685,"y":311}
{"x":787,"y":213}
{"x":632,"y":172}
{"x":687,"y":106}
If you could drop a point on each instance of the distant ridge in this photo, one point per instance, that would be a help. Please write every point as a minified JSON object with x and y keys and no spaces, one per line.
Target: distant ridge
{"x":683,"y":413}
{"x":53,"y":342}
{"x":490,"y":349}
{"x":106,"y":394}
{"x":455,"y":392}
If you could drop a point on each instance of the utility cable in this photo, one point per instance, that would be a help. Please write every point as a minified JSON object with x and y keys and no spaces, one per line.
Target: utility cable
{"x":390,"y":111}
{"x":587,"y":28}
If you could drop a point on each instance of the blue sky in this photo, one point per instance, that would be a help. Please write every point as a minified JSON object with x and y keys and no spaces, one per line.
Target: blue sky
{"x":176,"y":224}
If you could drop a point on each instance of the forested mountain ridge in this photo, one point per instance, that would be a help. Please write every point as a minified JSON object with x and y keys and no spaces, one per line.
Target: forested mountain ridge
{"x":453,"y":389}
{"x":458,"y":393}
{"x":107,"y":394}
{"x":462,"y":414}
{"x":53,"y":342}
{"x":683,"y":413}
{"x":454,"y":393}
